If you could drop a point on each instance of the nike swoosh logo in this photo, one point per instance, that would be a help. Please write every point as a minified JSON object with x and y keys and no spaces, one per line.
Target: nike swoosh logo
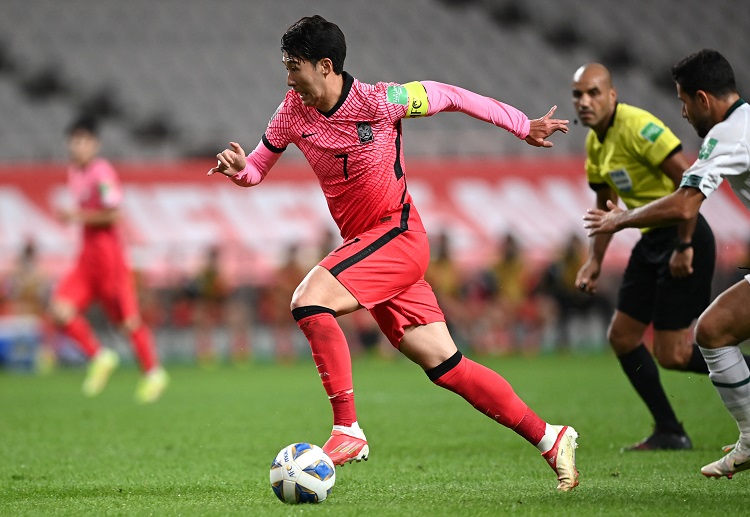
{"x":306,"y":135}
{"x":738,"y":465}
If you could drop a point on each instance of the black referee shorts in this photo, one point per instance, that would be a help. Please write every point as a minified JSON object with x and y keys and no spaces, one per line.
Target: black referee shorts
{"x":649,"y":293}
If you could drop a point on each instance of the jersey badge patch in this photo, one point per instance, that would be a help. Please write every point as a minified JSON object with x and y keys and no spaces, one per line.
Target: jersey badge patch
{"x":397,"y":95}
{"x":651,"y":132}
{"x":364,"y":132}
{"x":707,"y":148}
{"x":621,"y":180}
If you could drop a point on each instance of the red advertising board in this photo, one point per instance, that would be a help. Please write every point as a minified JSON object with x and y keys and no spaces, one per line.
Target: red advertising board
{"x":172,"y":213}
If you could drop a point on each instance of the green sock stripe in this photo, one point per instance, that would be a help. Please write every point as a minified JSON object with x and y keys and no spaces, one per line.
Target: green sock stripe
{"x":731,"y":385}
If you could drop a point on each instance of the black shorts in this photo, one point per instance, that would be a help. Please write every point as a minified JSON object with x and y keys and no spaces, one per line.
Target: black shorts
{"x":649,"y":293}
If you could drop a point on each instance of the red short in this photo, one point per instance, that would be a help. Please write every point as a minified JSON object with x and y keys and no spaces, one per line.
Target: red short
{"x":384,"y":270}
{"x":109,"y":284}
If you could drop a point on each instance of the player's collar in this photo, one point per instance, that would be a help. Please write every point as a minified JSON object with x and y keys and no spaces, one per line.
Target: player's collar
{"x":348,"y":82}
{"x":733,"y":107}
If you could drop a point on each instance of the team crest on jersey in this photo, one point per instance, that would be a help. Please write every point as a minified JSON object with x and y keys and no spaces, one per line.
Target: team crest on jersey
{"x":364,"y":132}
{"x":651,"y":132}
{"x":707,"y":148}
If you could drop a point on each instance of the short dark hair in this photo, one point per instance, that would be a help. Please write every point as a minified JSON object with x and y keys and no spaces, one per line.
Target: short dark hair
{"x":705,"y":70}
{"x":314,"y":38}
{"x":85,"y":123}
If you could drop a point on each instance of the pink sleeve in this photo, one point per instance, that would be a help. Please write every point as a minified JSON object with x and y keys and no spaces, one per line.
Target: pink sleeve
{"x":259,"y":162}
{"x":445,"y":97}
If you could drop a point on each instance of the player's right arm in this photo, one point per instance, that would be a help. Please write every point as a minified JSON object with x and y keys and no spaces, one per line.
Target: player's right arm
{"x":589,"y":272}
{"x":681,"y":261}
{"x":246,"y":171}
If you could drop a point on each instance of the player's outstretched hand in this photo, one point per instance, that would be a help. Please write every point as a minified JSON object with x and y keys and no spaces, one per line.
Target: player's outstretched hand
{"x":541,"y":128}
{"x":598,"y":221}
{"x":230,"y":161}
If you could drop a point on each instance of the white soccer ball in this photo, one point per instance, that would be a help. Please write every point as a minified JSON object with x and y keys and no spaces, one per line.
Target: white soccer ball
{"x":302,"y":473}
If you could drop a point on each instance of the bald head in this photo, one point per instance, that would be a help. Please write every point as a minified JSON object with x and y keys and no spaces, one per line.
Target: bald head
{"x":594,"y":97}
{"x":595,"y":71}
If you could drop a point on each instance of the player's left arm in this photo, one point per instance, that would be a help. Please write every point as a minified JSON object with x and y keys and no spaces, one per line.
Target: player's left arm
{"x":681,"y":261}
{"x":429,"y":97}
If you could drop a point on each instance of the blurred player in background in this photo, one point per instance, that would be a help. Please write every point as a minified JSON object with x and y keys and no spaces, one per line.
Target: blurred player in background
{"x":711,"y":103}
{"x":101,"y":272}
{"x":351,"y":134}
{"x":632,"y":155}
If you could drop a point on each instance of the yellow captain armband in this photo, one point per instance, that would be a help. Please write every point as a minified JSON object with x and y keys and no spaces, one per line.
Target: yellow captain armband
{"x":418,"y":103}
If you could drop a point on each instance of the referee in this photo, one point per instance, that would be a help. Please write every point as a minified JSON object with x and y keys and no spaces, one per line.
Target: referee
{"x":633,"y":156}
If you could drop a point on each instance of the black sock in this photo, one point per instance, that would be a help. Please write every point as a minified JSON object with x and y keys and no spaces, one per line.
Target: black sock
{"x":697,"y":364}
{"x":643,"y":373}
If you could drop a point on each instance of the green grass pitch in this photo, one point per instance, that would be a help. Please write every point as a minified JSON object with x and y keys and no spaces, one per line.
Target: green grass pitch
{"x":206,"y":447}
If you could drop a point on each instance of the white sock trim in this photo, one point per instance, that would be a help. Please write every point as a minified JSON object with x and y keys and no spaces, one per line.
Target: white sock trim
{"x":549,"y":438}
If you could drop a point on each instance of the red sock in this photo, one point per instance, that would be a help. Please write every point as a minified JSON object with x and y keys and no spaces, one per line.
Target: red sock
{"x":144,"y":348}
{"x":330,"y":352}
{"x":79,"y":330}
{"x":492,"y":395}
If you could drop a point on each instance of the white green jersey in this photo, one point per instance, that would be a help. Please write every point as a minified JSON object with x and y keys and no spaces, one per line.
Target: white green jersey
{"x":724,"y":154}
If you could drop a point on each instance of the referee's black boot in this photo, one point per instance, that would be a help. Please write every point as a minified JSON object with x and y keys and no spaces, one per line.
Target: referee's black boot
{"x":662,"y":441}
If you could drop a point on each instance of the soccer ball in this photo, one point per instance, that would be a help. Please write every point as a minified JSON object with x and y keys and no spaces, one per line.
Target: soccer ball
{"x":302,"y":473}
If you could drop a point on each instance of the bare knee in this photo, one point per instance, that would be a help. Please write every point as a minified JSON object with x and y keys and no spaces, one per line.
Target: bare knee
{"x":62,"y":312}
{"x":709,"y":333}
{"x":131,"y":323}
{"x":671,"y":359}
{"x":621,"y":342}
{"x":299,"y":299}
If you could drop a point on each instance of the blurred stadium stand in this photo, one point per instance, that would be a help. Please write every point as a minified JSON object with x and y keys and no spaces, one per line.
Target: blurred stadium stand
{"x":178,"y":78}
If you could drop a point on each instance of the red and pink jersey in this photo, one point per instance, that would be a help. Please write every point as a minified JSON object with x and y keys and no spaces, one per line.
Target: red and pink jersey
{"x":356,"y":148}
{"x":96,"y":187}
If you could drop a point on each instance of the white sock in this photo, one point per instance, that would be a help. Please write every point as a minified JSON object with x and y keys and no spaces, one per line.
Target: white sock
{"x":731,"y":378}
{"x":548,"y":441}
{"x":352,"y":430}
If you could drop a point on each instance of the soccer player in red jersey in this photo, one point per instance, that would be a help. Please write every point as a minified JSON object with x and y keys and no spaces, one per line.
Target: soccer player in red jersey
{"x":351,"y":134}
{"x":101,"y":272}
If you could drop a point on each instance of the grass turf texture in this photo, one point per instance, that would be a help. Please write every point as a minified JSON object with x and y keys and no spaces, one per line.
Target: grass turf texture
{"x":206,"y":447}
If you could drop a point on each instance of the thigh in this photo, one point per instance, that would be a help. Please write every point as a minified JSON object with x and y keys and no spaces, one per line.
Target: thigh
{"x":726,"y":322}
